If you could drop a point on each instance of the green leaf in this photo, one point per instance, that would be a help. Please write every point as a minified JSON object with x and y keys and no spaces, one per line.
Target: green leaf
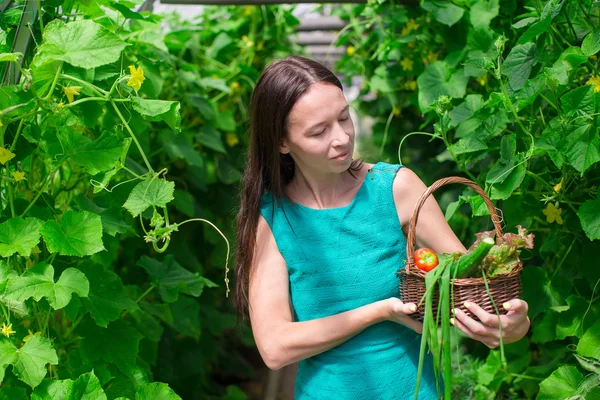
{"x":443,"y":11}
{"x":532,"y":89}
{"x":466,"y":109}
{"x":551,"y":142}
{"x":583,"y":147}
{"x":517,"y":65}
{"x":86,"y":387}
{"x":156,"y":390}
{"x":30,"y":360}
{"x":221,"y":41}
{"x":540,"y":292}
{"x":211,"y":138}
{"x":10,"y":57}
{"x":438,"y":80}
{"x":38,"y":282}
{"x":206,"y":108}
{"x":483,"y":12}
{"x":96,"y":156}
{"x":580,"y":101}
{"x":469,"y":144}
{"x":562,"y":384}
{"x":181,"y":315}
{"x":159,"y":110}
{"x":590,"y":218}
{"x":78,"y":234}
{"x":151,"y":192}
{"x":118,"y":344}
{"x":13,"y":393}
{"x":180,"y":147}
{"x":83,"y":43}
{"x":172,"y":279}
{"x":225,"y":121}
{"x":544,"y":331}
{"x":570,"y":322}
{"x":551,"y":10}
{"x":106,"y":298}
{"x":212,"y":83}
{"x":503,"y":190}
{"x":19,"y":235}
{"x":591,"y":43}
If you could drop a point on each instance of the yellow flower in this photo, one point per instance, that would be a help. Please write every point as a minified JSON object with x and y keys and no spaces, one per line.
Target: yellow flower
{"x":244,"y":38}
{"x":31,"y":334}
{"x":7,"y":330}
{"x":19,"y":176}
{"x":247,"y":10}
{"x":482,"y":79}
{"x":558,"y":187}
{"x":432,"y":57}
{"x":595,"y":81}
{"x":137,"y":77}
{"x":411,"y":25}
{"x":5,"y":155}
{"x":410,"y":85}
{"x":61,"y":105}
{"x":407,"y":64}
{"x":71,"y":92}
{"x":552,"y":213}
{"x":231,"y":139}
{"x":350,"y":50}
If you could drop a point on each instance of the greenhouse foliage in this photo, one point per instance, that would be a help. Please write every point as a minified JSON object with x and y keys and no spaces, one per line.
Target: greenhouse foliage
{"x":123,"y":142}
{"x":119,"y":150}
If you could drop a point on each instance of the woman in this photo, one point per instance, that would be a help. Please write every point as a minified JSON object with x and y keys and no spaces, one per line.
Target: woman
{"x":320,"y":237}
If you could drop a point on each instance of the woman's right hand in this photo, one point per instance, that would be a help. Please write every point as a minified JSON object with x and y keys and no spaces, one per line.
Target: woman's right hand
{"x":399,"y":312}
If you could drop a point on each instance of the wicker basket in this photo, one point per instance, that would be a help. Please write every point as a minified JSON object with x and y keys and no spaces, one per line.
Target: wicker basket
{"x":412,"y":279}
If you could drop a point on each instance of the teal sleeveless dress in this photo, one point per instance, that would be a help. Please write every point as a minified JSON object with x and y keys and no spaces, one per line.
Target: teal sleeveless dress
{"x":340,"y":259}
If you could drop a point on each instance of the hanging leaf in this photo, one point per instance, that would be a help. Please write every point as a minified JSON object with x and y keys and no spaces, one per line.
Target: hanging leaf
{"x":159,"y":110}
{"x":29,"y":361}
{"x":591,"y":43}
{"x":86,"y":387}
{"x":19,"y":235}
{"x":151,"y":192}
{"x":156,"y":390}
{"x":439,"y":80}
{"x":38,"y":282}
{"x":445,"y":12}
{"x":590,"y":218}
{"x":562,"y":384}
{"x":517,"y":65}
{"x":78,"y":234}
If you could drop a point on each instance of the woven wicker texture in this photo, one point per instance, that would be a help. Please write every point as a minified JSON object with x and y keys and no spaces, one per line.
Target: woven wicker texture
{"x":412,"y":279}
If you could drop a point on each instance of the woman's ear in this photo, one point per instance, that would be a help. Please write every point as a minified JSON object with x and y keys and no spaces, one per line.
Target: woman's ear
{"x":283,"y":147}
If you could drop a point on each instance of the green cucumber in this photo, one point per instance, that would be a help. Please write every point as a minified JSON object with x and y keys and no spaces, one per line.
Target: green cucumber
{"x":467,"y":264}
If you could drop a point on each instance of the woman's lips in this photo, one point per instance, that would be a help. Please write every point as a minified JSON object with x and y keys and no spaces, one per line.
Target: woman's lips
{"x":342,"y":156}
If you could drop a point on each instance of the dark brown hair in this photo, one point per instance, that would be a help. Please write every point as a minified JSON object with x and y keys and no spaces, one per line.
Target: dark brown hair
{"x":280,"y":85}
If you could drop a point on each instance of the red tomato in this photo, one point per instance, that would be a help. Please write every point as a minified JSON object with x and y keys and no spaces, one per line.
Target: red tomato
{"x":426,"y":259}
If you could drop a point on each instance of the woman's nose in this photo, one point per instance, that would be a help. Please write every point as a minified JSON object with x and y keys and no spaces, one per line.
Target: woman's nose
{"x":341,"y":137}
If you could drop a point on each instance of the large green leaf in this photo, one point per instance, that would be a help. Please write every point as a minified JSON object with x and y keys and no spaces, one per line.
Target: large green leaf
{"x":211,"y":138}
{"x":590,"y":218}
{"x":81,"y":43}
{"x":591,"y":43}
{"x":159,"y":110}
{"x":86,"y":387}
{"x":444,"y":11}
{"x":19,"y":235}
{"x":541,"y":292}
{"x":483,"y":12}
{"x":151,"y":192}
{"x":517,"y":65}
{"x":78,"y":234}
{"x":180,"y":146}
{"x":96,"y":156}
{"x":172,"y":279}
{"x":544,"y":330}
{"x":437,"y":80}
{"x":107,"y":297}
{"x":466,"y":109}
{"x":118,"y":344}
{"x":182,"y":315}
{"x":156,"y":390}
{"x":583,"y":147}
{"x":13,"y":393}
{"x":551,"y":10}
{"x":562,"y":384}
{"x":38,"y":282}
{"x":571,"y":322}
{"x":29,"y":361}
{"x":580,"y":101}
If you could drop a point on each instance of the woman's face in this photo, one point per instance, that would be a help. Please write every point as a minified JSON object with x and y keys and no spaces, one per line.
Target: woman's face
{"x":320,"y":131}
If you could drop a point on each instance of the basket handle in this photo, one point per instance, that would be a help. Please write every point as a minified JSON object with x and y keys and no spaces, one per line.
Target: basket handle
{"x":411,"y":241}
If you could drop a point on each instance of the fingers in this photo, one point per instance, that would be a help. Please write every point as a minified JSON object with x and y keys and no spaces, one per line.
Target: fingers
{"x":404,"y":308}
{"x":483,"y":339}
{"x":473,"y":326}
{"x":516,"y":306}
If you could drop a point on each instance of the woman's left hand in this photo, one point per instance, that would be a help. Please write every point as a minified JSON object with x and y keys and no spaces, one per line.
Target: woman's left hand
{"x":515,"y":323}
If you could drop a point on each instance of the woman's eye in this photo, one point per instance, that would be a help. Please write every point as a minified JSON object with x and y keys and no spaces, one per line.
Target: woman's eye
{"x":345,"y":119}
{"x":320,"y":133}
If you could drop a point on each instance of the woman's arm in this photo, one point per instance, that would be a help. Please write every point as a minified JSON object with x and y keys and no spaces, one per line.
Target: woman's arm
{"x":281,"y":341}
{"x":434,"y":232}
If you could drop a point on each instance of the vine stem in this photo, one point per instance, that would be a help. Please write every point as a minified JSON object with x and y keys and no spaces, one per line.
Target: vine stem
{"x":151,"y":288}
{"x":226,"y":241}
{"x":54,"y":81}
{"x":386,"y":130}
{"x":41,"y":190}
{"x":589,"y":305}
{"x":99,"y":91}
{"x":487,"y":289}
{"x":410,"y":134}
{"x":19,"y":129}
{"x":132,"y":136}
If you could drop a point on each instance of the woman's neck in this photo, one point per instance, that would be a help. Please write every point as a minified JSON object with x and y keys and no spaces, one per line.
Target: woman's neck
{"x":322,"y":191}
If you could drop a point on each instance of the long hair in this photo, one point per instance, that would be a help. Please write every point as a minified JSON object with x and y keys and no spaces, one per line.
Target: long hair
{"x":280,"y":85}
